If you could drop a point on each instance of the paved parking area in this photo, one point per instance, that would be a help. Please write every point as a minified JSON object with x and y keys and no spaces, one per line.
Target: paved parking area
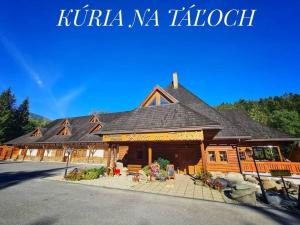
{"x":26,"y":197}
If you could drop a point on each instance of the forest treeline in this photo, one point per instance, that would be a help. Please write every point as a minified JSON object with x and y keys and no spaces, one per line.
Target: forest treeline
{"x":280,"y":112}
{"x":16,"y":120}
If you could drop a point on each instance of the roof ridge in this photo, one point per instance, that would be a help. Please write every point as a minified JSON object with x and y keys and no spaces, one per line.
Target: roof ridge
{"x":83,"y":116}
{"x":191,"y":93}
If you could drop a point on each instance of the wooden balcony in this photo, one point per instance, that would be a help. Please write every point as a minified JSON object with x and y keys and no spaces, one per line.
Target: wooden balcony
{"x":265,"y":167}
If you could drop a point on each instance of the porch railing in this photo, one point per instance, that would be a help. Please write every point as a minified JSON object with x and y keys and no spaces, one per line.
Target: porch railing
{"x":265,"y":167}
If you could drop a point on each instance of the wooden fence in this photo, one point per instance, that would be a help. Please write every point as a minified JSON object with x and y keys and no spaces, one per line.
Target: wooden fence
{"x":7,"y":152}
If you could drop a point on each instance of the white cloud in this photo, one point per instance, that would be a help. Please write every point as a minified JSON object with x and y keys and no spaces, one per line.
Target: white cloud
{"x":60,"y":104}
{"x":17,"y":55}
{"x":64,"y":101}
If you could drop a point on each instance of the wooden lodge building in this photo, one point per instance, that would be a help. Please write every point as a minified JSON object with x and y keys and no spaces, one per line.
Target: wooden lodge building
{"x":172,"y":123}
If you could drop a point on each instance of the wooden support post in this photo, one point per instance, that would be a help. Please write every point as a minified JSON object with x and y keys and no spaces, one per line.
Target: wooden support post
{"x":117,"y":152}
{"x":203,"y":155}
{"x":88,"y":158}
{"x":114,"y":153}
{"x":109,"y":157}
{"x":91,"y":149}
{"x":149,"y":156}
{"x":64,"y":148}
{"x":26,"y":149}
{"x":280,"y":153}
{"x":42,"y":153}
{"x":239,"y":159}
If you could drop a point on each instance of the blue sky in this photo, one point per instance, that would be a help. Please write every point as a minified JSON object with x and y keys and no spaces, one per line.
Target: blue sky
{"x":74,"y":71}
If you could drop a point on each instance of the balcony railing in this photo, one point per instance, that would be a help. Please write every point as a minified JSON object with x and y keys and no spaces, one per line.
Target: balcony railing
{"x":265,"y":167}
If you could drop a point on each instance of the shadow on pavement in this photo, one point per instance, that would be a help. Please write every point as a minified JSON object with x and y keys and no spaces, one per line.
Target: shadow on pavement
{"x":45,"y":220}
{"x":8,"y":179}
{"x":279,"y":216}
{"x":9,"y":162}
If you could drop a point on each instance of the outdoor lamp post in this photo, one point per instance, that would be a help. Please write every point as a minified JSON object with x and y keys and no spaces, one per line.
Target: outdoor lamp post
{"x":68,"y":151}
{"x":252,"y":153}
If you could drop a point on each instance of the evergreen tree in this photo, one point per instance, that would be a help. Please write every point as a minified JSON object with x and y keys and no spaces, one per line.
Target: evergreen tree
{"x":22,"y":118}
{"x":15,"y":121}
{"x":7,"y":114}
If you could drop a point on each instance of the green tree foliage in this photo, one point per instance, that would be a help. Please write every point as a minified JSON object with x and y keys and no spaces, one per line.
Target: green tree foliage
{"x":7,"y":112}
{"x":21,"y":118}
{"x":280,"y":112}
{"x":33,"y":123}
{"x":15,"y":121}
{"x":288,"y":121}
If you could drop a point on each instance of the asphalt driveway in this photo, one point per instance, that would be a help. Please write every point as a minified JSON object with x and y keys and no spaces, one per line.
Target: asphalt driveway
{"x":27,"y":198}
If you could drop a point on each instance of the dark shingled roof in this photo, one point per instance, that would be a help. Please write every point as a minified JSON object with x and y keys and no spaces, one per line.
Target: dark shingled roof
{"x":229,"y":129}
{"x":173,"y":116}
{"x":255,"y":129}
{"x":80,"y":128}
{"x":189,"y":113}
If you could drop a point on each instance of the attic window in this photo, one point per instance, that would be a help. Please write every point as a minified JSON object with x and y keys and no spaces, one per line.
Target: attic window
{"x":157,"y":99}
{"x":96,"y":128}
{"x":163,"y":100}
{"x":64,"y":132}
{"x":65,"y":122}
{"x":37,"y":133}
{"x":153,"y":102}
{"x":94,"y":119}
{"x":158,"y":96}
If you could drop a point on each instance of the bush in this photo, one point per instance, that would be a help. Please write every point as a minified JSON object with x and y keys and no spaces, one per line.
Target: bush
{"x":146,"y":170}
{"x":162,"y":163}
{"x":90,"y":175}
{"x":74,"y":175}
{"x":203,"y":175}
{"x":86,"y":174}
{"x":101,"y":170}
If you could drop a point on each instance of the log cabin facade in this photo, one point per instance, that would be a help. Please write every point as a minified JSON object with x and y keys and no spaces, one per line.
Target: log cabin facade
{"x":171,"y":123}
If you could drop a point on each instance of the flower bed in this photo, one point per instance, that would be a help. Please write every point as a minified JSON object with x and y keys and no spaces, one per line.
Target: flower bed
{"x":85,"y":174}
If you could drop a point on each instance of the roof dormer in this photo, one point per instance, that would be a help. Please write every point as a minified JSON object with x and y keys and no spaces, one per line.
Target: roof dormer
{"x":94,"y":119}
{"x":95,"y":128}
{"x":65,"y":131}
{"x":37,"y":133}
{"x":158,"y":96}
{"x":65,"y":122}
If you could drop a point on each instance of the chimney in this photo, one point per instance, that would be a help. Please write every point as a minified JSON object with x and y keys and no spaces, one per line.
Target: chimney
{"x":175,"y":80}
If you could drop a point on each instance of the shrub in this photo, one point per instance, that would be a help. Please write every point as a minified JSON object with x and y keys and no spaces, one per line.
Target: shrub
{"x":162,"y":163}
{"x":101,"y":170}
{"x":86,"y":174}
{"x":90,"y":175}
{"x":93,"y":173}
{"x":74,"y":175}
{"x":146,"y":170}
{"x":203,"y":175}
